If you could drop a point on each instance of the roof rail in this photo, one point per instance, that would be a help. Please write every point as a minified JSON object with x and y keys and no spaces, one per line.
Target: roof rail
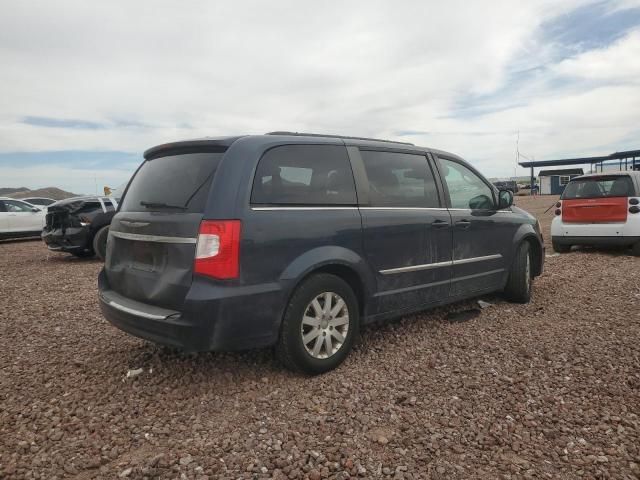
{"x":302,"y":134}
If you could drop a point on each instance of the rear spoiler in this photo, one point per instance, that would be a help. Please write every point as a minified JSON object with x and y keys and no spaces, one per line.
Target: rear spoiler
{"x":217,"y":144}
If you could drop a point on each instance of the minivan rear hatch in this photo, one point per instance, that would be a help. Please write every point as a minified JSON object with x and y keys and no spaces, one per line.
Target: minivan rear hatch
{"x":597,"y":199}
{"x":152,"y":242}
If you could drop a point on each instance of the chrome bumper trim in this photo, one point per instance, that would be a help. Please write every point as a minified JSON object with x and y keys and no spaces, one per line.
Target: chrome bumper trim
{"x":133,"y":311}
{"x":152,"y":238}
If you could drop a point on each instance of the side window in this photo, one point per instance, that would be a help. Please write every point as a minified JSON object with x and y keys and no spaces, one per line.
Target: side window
{"x":399,"y":180}
{"x":466,"y":189}
{"x":88,"y":207}
{"x":2,"y":206}
{"x":15,"y":207}
{"x":304,"y":175}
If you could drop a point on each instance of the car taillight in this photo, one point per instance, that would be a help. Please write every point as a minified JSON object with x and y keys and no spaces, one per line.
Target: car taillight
{"x":558,"y":211}
{"x":633,"y":201}
{"x":218,"y":249}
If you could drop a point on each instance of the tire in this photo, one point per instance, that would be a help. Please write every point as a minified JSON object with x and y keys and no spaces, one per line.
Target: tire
{"x":302,"y":318}
{"x":100,"y":242}
{"x":82,"y":253}
{"x":519,"y":284}
{"x":635,"y":249}
{"x":560,"y":248}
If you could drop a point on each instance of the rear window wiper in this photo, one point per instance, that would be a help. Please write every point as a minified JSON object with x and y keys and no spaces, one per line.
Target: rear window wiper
{"x":161,"y":205}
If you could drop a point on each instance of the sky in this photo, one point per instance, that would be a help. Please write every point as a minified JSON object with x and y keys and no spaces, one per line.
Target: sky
{"x":88,"y":86}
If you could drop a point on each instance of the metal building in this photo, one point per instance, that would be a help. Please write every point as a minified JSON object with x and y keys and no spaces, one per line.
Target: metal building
{"x":552,"y":182}
{"x":628,"y":160}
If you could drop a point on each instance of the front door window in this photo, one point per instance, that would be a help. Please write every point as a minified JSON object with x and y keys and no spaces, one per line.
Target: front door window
{"x":466,"y":189}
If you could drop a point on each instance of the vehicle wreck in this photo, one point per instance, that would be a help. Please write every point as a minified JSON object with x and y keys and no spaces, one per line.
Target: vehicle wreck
{"x":79,"y":225}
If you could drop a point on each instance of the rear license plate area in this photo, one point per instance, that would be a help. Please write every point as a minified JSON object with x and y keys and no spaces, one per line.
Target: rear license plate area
{"x":147,"y":257}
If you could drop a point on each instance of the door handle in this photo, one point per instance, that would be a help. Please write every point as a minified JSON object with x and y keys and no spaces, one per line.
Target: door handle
{"x":440,"y":224}
{"x":464,"y":224}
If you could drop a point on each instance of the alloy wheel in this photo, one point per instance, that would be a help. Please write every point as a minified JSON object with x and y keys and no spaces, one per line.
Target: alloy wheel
{"x":325,"y":324}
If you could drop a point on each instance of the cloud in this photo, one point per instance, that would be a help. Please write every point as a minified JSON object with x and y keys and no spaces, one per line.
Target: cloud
{"x":61,"y":123}
{"x":593,"y":25}
{"x":619,"y":63}
{"x":463,"y":76}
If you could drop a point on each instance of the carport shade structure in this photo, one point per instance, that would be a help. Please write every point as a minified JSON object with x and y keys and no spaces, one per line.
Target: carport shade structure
{"x":630,"y":159}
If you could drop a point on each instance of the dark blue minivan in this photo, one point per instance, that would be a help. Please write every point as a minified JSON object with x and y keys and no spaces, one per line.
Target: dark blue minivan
{"x":296,"y":240}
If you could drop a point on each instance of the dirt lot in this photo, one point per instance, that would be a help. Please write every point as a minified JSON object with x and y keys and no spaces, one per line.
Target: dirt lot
{"x":545,"y":390}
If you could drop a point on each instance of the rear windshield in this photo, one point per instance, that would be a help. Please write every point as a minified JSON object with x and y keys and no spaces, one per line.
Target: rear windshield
{"x":596,"y":187}
{"x":39,"y":201}
{"x":175,"y":183}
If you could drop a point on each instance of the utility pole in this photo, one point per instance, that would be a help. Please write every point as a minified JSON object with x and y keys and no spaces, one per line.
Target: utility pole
{"x":517,"y":155}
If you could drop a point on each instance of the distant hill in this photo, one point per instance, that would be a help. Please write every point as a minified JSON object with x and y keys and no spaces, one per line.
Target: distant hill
{"x":10,"y":191}
{"x":48,"y":192}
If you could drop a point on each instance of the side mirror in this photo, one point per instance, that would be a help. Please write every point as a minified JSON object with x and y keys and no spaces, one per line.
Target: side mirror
{"x":505,"y":199}
{"x":34,"y":209}
{"x":481,"y":202}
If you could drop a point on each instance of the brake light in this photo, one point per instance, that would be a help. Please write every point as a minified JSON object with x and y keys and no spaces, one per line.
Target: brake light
{"x":218,"y":249}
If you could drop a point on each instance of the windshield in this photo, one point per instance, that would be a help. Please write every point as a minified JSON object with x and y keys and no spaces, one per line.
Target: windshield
{"x":596,"y":187}
{"x":178,"y":182}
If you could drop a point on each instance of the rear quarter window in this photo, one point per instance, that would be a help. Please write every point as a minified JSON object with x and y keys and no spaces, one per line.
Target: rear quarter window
{"x":304,"y":175}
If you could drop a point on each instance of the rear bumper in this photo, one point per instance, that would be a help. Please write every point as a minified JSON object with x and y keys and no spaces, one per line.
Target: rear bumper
{"x":596,"y":241}
{"x":213,"y":318}
{"x":69,"y":240}
{"x":166,"y":327}
{"x":629,"y":228}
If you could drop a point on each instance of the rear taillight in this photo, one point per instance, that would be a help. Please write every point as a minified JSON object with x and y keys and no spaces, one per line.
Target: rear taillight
{"x":558,"y":211}
{"x":218,"y":249}
{"x":633,"y":201}
{"x":634,"y":209}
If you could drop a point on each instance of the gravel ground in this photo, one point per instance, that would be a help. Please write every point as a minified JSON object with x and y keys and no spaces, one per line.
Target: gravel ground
{"x":545,"y":390}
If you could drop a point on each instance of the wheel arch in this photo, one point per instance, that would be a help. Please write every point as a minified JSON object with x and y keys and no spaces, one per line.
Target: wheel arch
{"x":341,"y":262}
{"x":346,"y":273}
{"x":526,"y":233}
{"x":536,"y":252}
